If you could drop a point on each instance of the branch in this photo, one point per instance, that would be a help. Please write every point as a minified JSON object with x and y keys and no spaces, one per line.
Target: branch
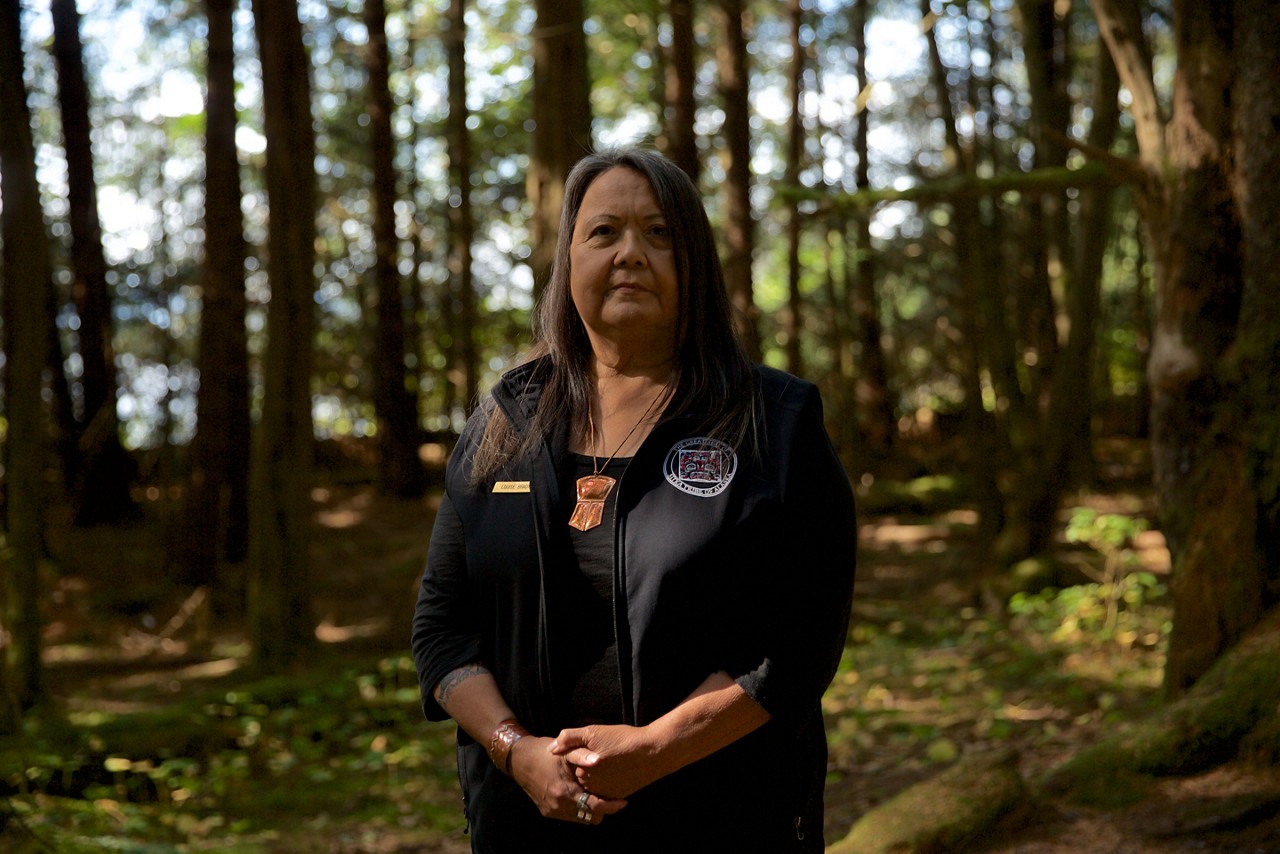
{"x":1120,"y":25}
{"x":942,"y":190}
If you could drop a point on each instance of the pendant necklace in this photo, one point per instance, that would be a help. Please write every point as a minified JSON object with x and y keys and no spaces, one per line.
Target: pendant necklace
{"x":594,"y":488}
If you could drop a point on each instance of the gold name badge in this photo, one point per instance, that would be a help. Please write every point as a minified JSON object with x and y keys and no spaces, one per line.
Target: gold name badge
{"x":511,"y":486}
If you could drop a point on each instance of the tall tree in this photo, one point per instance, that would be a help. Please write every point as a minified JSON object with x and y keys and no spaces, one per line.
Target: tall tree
{"x":1066,"y":432}
{"x":680,"y":143}
{"x":465,"y":360}
{"x":102,"y":490}
{"x":735,"y":153}
{"x":1207,"y":172}
{"x":1045,"y":239}
{"x":27,"y":279}
{"x":794,"y":321}
{"x":874,"y":404}
{"x":562,"y":121}
{"x":972,"y":269}
{"x":399,"y":435}
{"x":280,"y":603}
{"x":215,"y":519}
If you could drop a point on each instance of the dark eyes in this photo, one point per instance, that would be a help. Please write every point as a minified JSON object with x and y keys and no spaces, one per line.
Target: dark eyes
{"x":660,"y":231}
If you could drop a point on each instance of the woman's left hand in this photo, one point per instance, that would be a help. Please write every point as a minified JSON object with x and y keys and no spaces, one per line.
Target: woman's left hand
{"x":610,"y":761}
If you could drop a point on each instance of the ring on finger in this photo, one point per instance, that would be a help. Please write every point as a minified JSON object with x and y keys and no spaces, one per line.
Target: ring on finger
{"x":582,"y":803}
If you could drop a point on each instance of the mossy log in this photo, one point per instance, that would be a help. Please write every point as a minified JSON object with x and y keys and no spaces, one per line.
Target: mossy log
{"x":1233,"y":711}
{"x":944,"y":813}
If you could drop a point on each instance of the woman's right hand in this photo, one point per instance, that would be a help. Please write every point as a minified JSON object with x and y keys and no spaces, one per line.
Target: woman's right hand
{"x":551,"y":784}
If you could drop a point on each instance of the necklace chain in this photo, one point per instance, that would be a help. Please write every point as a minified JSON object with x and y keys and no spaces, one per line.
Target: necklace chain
{"x":593,"y":489}
{"x":595,"y":462}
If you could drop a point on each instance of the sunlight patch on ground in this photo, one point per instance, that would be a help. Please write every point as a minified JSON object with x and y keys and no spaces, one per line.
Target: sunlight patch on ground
{"x":327,"y":632}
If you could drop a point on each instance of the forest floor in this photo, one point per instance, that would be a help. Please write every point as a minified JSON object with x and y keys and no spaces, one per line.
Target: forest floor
{"x":161,"y":738}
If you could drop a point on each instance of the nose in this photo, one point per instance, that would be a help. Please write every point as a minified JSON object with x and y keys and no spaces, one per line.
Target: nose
{"x":630,"y":250}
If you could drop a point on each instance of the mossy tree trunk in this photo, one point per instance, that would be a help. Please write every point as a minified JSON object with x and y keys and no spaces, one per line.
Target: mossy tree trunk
{"x":1211,"y":227}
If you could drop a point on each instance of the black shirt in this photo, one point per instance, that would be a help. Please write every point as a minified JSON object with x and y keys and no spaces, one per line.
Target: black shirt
{"x":590,"y":690}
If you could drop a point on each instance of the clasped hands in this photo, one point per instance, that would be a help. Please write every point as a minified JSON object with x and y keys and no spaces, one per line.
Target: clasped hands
{"x":586,"y":773}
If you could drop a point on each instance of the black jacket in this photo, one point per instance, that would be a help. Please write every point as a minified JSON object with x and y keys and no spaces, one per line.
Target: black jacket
{"x":723,"y":563}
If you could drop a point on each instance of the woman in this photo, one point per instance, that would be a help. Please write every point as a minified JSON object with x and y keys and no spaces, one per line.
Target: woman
{"x":639,"y":579}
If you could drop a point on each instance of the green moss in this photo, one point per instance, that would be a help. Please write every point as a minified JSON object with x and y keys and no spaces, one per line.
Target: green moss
{"x":1203,"y":729}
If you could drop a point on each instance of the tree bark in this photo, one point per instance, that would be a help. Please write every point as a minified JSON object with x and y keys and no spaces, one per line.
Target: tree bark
{"x":681,"y":145}
{"x":281,"y":622}
{"x":739,"y":226}
{"x":1216,"y":488}
{"x":1045,"y":238}
{"x":215,"y":517}
{"x":1067,"y":434}
{"x":793,"y":321}
{"x":1256,"y":100}
{"x":980,"y":425}
{"x":400,"y":471}
{"x":101,"y":494}
{"x":461,"y":220}
{"x":27,"y":279}
{"x":874,"y":404}
{"x":562,"y":122}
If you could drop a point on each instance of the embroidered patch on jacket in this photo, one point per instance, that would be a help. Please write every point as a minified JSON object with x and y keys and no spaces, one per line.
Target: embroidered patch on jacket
{"x":700,"y":466}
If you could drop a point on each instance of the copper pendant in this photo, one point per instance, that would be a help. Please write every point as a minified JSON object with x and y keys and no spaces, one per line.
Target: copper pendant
{"x":593,"y":489}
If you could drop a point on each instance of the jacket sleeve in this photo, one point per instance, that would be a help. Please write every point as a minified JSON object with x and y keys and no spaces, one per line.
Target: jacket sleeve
{"x":446,"y":622}
{"x":445,"y":635}
{"x":811,"y":555}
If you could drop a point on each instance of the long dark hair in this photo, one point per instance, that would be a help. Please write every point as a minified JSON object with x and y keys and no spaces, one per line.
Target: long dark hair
{"x":712,"y":374}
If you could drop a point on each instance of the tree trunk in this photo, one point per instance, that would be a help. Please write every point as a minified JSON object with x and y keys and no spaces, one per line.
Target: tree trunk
{"x":980,"y":425}
{"x":27,"y":278}
{"x":874,"y":403}
{"x":400,"y":471}
{"x":1066,"y":431}
{"x":739,"y":224}
{"x":101,"y":494}
{"x":793,"y":321}
{"x":562,"y":122}
{"x":1256,"y":99}
{"x":1207,"y":512}
{"x":280,"y":602}
{"x":681,"y":110}
{"x":1045,"y":235}
{"x":461,"y":222}
{"x":215,"y":514}
{"x":1215,"y":475}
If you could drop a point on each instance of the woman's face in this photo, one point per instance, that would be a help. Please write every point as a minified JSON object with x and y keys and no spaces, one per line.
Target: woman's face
{"x":622,"y":267}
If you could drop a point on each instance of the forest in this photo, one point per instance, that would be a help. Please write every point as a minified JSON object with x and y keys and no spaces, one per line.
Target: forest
{"x":277,"y":251}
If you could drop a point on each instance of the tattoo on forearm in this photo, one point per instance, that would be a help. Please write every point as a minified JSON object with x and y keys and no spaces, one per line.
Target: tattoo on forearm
{"x":455,"y":678}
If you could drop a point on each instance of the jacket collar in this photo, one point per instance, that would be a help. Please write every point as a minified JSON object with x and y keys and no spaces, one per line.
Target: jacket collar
{"x":519,"y":390}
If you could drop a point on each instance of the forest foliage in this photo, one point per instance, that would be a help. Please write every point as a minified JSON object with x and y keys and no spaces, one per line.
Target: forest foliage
{"x":972,"y":223}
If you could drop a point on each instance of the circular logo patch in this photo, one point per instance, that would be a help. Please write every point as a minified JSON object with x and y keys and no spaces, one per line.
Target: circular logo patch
{"x":700,"y":466}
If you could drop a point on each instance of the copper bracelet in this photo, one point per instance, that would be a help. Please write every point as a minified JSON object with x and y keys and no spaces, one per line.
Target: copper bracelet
{"x":501,"y":741}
